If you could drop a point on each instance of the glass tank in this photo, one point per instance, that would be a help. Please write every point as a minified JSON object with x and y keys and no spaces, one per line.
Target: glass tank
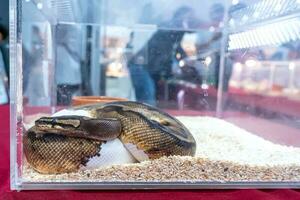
{"x":179,"y":94}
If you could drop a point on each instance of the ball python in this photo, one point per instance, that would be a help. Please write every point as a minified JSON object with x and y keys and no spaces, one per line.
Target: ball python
{"x":62,"y":144}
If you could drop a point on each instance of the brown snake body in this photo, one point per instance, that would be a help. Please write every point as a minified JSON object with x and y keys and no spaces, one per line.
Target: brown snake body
{"x":63,"y":144}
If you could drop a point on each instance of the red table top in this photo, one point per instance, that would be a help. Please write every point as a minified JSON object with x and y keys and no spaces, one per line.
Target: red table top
{"x":7,"y":194}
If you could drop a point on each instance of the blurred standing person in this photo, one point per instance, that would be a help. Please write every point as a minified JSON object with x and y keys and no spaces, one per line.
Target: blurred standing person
{"x":154,"y":61}
{"x":33,"y":69}
{"x":68,"y":63}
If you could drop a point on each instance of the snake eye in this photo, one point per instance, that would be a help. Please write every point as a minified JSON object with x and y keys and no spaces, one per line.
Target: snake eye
{"x":161,"y":121}
{"x":44,"y":122}
{"x":165,"y":123}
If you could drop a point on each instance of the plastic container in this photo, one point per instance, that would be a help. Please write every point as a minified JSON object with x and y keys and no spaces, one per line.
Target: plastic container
{"x":228,"y":73}
{"x":83,"y":100}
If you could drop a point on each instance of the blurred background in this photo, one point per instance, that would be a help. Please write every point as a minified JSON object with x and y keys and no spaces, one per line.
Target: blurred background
{"x":219,"y":58}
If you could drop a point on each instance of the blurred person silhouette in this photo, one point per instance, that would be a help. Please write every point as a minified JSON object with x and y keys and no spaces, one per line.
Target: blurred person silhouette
{"x":68,"y":63}
{"x":153,"y":62}
{"x":147,"y":16}
{"x":34,"y":84}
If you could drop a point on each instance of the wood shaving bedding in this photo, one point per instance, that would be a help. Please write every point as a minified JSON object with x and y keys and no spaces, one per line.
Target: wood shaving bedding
{"x":225,"y":153}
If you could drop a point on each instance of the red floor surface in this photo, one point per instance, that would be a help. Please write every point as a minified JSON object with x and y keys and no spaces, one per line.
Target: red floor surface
{"x":7,"y":194}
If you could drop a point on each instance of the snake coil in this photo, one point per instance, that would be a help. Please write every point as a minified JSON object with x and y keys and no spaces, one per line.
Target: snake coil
{"x":62,"y":144}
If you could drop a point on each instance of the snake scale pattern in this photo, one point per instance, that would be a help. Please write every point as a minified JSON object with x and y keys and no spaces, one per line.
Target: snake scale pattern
{"x":62,"y":144}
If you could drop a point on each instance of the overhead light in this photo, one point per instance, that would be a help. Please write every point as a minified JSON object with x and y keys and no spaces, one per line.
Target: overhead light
{"x":208,"y":60}
{"x":250,"y":63}
{"x":181,"y":63}
{"x":212,"y":29}
{"x":265,"y":9}
{"x":271,"y":34}
{"x":292,"y":66}
{"x":39,"y":6}
{"x":235,"y":2}
{"x":204,"y":86}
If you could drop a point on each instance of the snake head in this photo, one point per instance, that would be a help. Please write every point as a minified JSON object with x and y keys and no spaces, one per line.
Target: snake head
{"x":78,"y":126}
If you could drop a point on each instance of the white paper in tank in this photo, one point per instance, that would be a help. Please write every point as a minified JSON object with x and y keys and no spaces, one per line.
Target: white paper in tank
{"x":139,"y":154}
{"x":112,"y":152}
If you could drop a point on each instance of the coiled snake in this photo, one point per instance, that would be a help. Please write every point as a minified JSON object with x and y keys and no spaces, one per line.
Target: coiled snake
{"x":62,"y":144}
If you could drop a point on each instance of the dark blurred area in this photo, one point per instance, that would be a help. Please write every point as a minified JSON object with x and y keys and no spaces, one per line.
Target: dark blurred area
{"x":4,"y":51}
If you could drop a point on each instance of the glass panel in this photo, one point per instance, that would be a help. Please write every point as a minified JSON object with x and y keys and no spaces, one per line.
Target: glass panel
{"x":226,"y":70}
{"x":263,"y":49}
{"x":105,"y":50}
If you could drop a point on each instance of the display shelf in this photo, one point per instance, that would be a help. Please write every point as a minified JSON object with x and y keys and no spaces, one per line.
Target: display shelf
{"x":264,"y":23}
{"x":62,"y":12}
{"x":268,"y":73}
{"x":264,"y":11}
